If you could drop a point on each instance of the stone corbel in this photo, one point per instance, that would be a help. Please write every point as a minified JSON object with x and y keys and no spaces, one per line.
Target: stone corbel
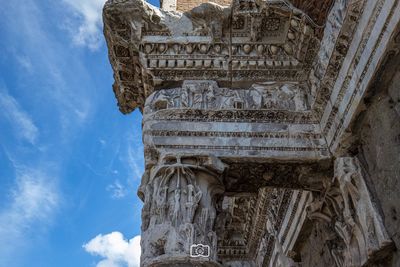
{"x":179,"y":210}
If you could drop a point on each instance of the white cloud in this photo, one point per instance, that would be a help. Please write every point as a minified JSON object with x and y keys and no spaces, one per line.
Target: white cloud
{"x":22,"y":123}
{"x":116,"y":251}
{"x":117,"y":190}
{"x":89,"y":12}
{"x":33,"y":202}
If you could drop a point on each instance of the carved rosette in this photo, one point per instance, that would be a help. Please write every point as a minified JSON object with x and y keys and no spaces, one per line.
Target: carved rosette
{"x":180,"y":210}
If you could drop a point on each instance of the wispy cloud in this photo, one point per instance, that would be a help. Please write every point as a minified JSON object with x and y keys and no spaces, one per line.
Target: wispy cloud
{"x":131,"y":156}
{"x":134,"y":156}
{"x":53,"y":95}
{"x":25,"y":62}
{"x":117,"y":190}
{"x":115,"y":250}
{"x":33,"y":201}
{"x":22,"y":123}
{"x":87,"y":31}
{"x":59,"y":77}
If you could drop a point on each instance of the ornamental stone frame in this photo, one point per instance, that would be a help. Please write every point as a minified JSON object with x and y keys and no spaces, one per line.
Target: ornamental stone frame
{"x":248,"y":113}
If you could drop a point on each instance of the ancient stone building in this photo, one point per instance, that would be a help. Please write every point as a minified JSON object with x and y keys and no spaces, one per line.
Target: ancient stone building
{"x":271,"y":129}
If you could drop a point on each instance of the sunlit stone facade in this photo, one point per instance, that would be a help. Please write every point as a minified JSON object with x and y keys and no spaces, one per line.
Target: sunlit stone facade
{"x":271,"y":129}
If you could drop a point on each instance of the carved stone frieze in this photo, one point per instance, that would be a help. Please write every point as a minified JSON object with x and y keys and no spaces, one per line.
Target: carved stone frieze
{"x":273,"y":117}
{"x":236,"y":115}
{"x":206,"y":95}
{"x":334,"y":46}
{"x":370,"y":51}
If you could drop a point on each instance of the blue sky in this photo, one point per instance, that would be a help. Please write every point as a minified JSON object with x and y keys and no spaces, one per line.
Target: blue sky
{"x":70,"y":162}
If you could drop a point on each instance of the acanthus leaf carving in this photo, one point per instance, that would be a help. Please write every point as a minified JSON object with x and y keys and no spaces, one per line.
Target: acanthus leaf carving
{"x":180,"y":207}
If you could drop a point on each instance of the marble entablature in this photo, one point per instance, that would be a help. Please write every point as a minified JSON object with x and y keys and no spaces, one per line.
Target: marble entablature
{"x":248,"y":112}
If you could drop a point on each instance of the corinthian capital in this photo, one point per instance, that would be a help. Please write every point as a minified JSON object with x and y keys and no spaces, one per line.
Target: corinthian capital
{"x":179,"y":211}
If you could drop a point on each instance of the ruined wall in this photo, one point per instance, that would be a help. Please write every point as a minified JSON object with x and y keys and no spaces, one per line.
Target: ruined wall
{"x":379,"y":151}
{"x":315,"y":249}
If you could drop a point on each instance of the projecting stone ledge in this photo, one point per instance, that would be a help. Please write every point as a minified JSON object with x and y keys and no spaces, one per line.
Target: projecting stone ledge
{"x":235,"y":46}
{"x":130,"y":24}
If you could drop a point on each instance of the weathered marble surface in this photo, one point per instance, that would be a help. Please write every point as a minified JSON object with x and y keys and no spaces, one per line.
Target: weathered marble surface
{"x":378,"y":132}
{"x":250,"y":110}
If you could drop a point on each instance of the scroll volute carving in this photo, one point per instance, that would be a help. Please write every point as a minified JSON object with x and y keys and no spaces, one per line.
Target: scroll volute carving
{"x":347,"y":207}
{"x":179,"y":209}
{"x":359,"y":212}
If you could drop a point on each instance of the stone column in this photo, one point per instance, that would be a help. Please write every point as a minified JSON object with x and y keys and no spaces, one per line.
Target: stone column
{"x":180,"y":197}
